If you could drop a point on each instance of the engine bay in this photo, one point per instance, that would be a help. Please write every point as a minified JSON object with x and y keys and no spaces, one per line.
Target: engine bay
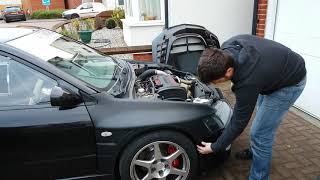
{"x":173,"y":85}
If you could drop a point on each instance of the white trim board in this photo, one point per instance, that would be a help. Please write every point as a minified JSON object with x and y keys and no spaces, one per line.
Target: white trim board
{"x":271,"y":19}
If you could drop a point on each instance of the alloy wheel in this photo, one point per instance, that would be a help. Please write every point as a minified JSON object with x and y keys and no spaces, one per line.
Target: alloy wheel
{"x":162,"y":160}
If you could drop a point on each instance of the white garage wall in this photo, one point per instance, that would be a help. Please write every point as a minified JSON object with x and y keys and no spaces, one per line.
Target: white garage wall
{"x":295,"y":24}
{"x":224,"y":18}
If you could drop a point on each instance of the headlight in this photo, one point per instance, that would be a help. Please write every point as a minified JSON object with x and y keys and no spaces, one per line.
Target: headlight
{"x":223,"y":111}
{"x":218,"y":120}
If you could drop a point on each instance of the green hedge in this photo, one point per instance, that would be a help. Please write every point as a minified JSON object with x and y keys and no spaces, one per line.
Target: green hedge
{"x":111,"y":23}
{"x":47,"y":14}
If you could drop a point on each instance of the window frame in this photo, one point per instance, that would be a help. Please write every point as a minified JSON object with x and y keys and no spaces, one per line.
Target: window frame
{"x":58,"y":81}
{"x":136,"y":12}
{"x":87,"y":5}
{"x":8,"y":88}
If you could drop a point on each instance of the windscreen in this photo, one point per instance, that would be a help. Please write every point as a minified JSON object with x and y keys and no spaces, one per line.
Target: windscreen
{"x":70,"y":56}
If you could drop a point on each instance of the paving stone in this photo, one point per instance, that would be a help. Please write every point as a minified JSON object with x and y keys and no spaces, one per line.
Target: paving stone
{"x":296,"y":151}
{"x":310,"y":169}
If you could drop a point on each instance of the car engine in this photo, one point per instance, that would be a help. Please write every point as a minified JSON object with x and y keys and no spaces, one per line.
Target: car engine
{"x":168,"y":85}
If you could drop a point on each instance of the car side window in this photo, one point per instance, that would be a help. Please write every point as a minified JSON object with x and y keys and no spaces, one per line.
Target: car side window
{"x":22,"y":86}
{"x":87,"y":6}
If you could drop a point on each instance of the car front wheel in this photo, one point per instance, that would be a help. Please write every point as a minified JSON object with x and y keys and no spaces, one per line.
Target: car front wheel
{"x":74,"y":16}
{"x":162,"y":155}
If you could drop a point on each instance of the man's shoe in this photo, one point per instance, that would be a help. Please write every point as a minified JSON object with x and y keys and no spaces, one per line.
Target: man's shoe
{"x":245,"y":154}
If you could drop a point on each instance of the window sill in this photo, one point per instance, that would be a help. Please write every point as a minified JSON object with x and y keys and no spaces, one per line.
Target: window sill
{"x":130,"y":22}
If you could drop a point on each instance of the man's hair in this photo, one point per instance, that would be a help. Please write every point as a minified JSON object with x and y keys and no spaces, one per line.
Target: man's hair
{"x":213,"y":64}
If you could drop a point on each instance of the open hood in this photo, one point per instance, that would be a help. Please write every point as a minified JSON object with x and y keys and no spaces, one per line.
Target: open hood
{"x":181,"y":46}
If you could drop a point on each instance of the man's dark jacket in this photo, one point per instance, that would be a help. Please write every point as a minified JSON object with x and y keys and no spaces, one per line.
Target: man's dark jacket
{"x":261,"y":67}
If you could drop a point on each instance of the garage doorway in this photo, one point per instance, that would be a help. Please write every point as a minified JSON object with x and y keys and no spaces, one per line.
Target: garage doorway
{"x":295,"y":24}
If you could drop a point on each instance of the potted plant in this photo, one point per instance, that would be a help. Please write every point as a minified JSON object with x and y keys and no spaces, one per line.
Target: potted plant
{"x":86,"y":28}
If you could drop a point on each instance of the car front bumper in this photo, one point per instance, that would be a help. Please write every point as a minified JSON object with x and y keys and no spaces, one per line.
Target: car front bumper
{"x":66,"y":16}
{"x":215,"y":125}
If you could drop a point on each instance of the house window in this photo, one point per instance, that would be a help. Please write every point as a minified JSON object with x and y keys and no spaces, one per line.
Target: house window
{"x":121,"y":2}
{"x":128,"y":7}
{"x":150,"y":10}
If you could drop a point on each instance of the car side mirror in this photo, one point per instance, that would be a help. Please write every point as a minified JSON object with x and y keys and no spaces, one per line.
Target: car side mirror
{"x":64,"y":98}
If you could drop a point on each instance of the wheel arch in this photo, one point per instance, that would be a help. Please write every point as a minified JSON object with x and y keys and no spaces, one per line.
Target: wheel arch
{"x":74,"y":14}
{"x":143,"y":133}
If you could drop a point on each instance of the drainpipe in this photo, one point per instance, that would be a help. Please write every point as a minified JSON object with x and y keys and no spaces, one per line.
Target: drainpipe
{"x":166,"y":12}
{"x":255,"y":17}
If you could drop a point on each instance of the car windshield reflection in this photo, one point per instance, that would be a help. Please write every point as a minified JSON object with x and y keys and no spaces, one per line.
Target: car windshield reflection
{"x":71,"y":57}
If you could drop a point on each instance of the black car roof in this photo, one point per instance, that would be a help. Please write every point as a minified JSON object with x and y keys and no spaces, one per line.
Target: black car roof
{"x":10,"y":33}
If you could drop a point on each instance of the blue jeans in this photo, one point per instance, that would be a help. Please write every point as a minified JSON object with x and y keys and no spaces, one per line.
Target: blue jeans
{"x":270,"y":111}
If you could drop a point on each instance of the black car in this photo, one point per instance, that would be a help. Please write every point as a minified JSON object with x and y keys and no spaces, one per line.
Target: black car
{"x":69,"y":112}
{"x":13,"y":13}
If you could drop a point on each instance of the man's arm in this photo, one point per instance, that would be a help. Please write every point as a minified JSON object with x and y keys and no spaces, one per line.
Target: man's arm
{"x":246,"y":99}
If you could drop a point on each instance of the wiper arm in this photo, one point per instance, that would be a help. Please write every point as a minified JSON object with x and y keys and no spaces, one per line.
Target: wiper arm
{"x":74,"y":56}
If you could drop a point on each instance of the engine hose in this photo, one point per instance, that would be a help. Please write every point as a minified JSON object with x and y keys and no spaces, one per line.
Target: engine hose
{"x":186,"y":81}
{"x":149,"y":73}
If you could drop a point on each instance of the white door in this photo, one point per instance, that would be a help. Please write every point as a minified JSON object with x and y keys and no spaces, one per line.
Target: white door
{"x":297,"y":26}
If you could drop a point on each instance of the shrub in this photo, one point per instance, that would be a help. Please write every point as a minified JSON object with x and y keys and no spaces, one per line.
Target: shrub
{"x":47,"y":14}
{"x":75,"y":24}
{"x":87,"y":24}
{"x":117,"y":15}
{"x":70,"y":33}
{"x":71,"y":30}
{"x":110,"y":23}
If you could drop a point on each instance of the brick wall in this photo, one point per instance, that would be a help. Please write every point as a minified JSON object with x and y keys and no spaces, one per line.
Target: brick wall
{"x":71,"y":4}
{"x":262,"y":15}
{"x":34,"y":5}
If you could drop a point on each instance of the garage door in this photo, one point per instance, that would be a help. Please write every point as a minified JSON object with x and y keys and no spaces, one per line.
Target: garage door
{"x":297,"y":26}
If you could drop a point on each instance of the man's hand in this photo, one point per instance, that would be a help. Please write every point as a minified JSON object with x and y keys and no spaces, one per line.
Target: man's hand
{"x":205,"y":148}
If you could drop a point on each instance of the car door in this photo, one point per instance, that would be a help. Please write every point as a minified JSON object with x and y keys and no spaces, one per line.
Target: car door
{"x":38,"y":141}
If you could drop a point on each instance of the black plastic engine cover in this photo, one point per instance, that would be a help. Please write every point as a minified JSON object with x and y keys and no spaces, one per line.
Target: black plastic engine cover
{"x":168,"y":88}
{"x":173,"y":93}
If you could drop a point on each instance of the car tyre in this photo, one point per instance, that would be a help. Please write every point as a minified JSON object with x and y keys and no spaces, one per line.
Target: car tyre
{"x":74,"y":16}
{"x":187,"y":162}
{"x":224,"y":156}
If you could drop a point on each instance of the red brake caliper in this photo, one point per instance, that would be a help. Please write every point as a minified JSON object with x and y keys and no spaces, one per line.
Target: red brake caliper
{"x":171,"y":150}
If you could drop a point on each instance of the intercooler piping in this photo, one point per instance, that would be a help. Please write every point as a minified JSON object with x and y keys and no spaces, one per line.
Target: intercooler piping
{"x":149,"y":73}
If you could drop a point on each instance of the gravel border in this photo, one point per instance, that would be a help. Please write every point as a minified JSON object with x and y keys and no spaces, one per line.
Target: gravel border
{"x":116,"y":38}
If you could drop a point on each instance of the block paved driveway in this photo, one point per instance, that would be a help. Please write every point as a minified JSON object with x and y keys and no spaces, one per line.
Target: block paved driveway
{"x":296,"y":151}
{"x":43,"y":23}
